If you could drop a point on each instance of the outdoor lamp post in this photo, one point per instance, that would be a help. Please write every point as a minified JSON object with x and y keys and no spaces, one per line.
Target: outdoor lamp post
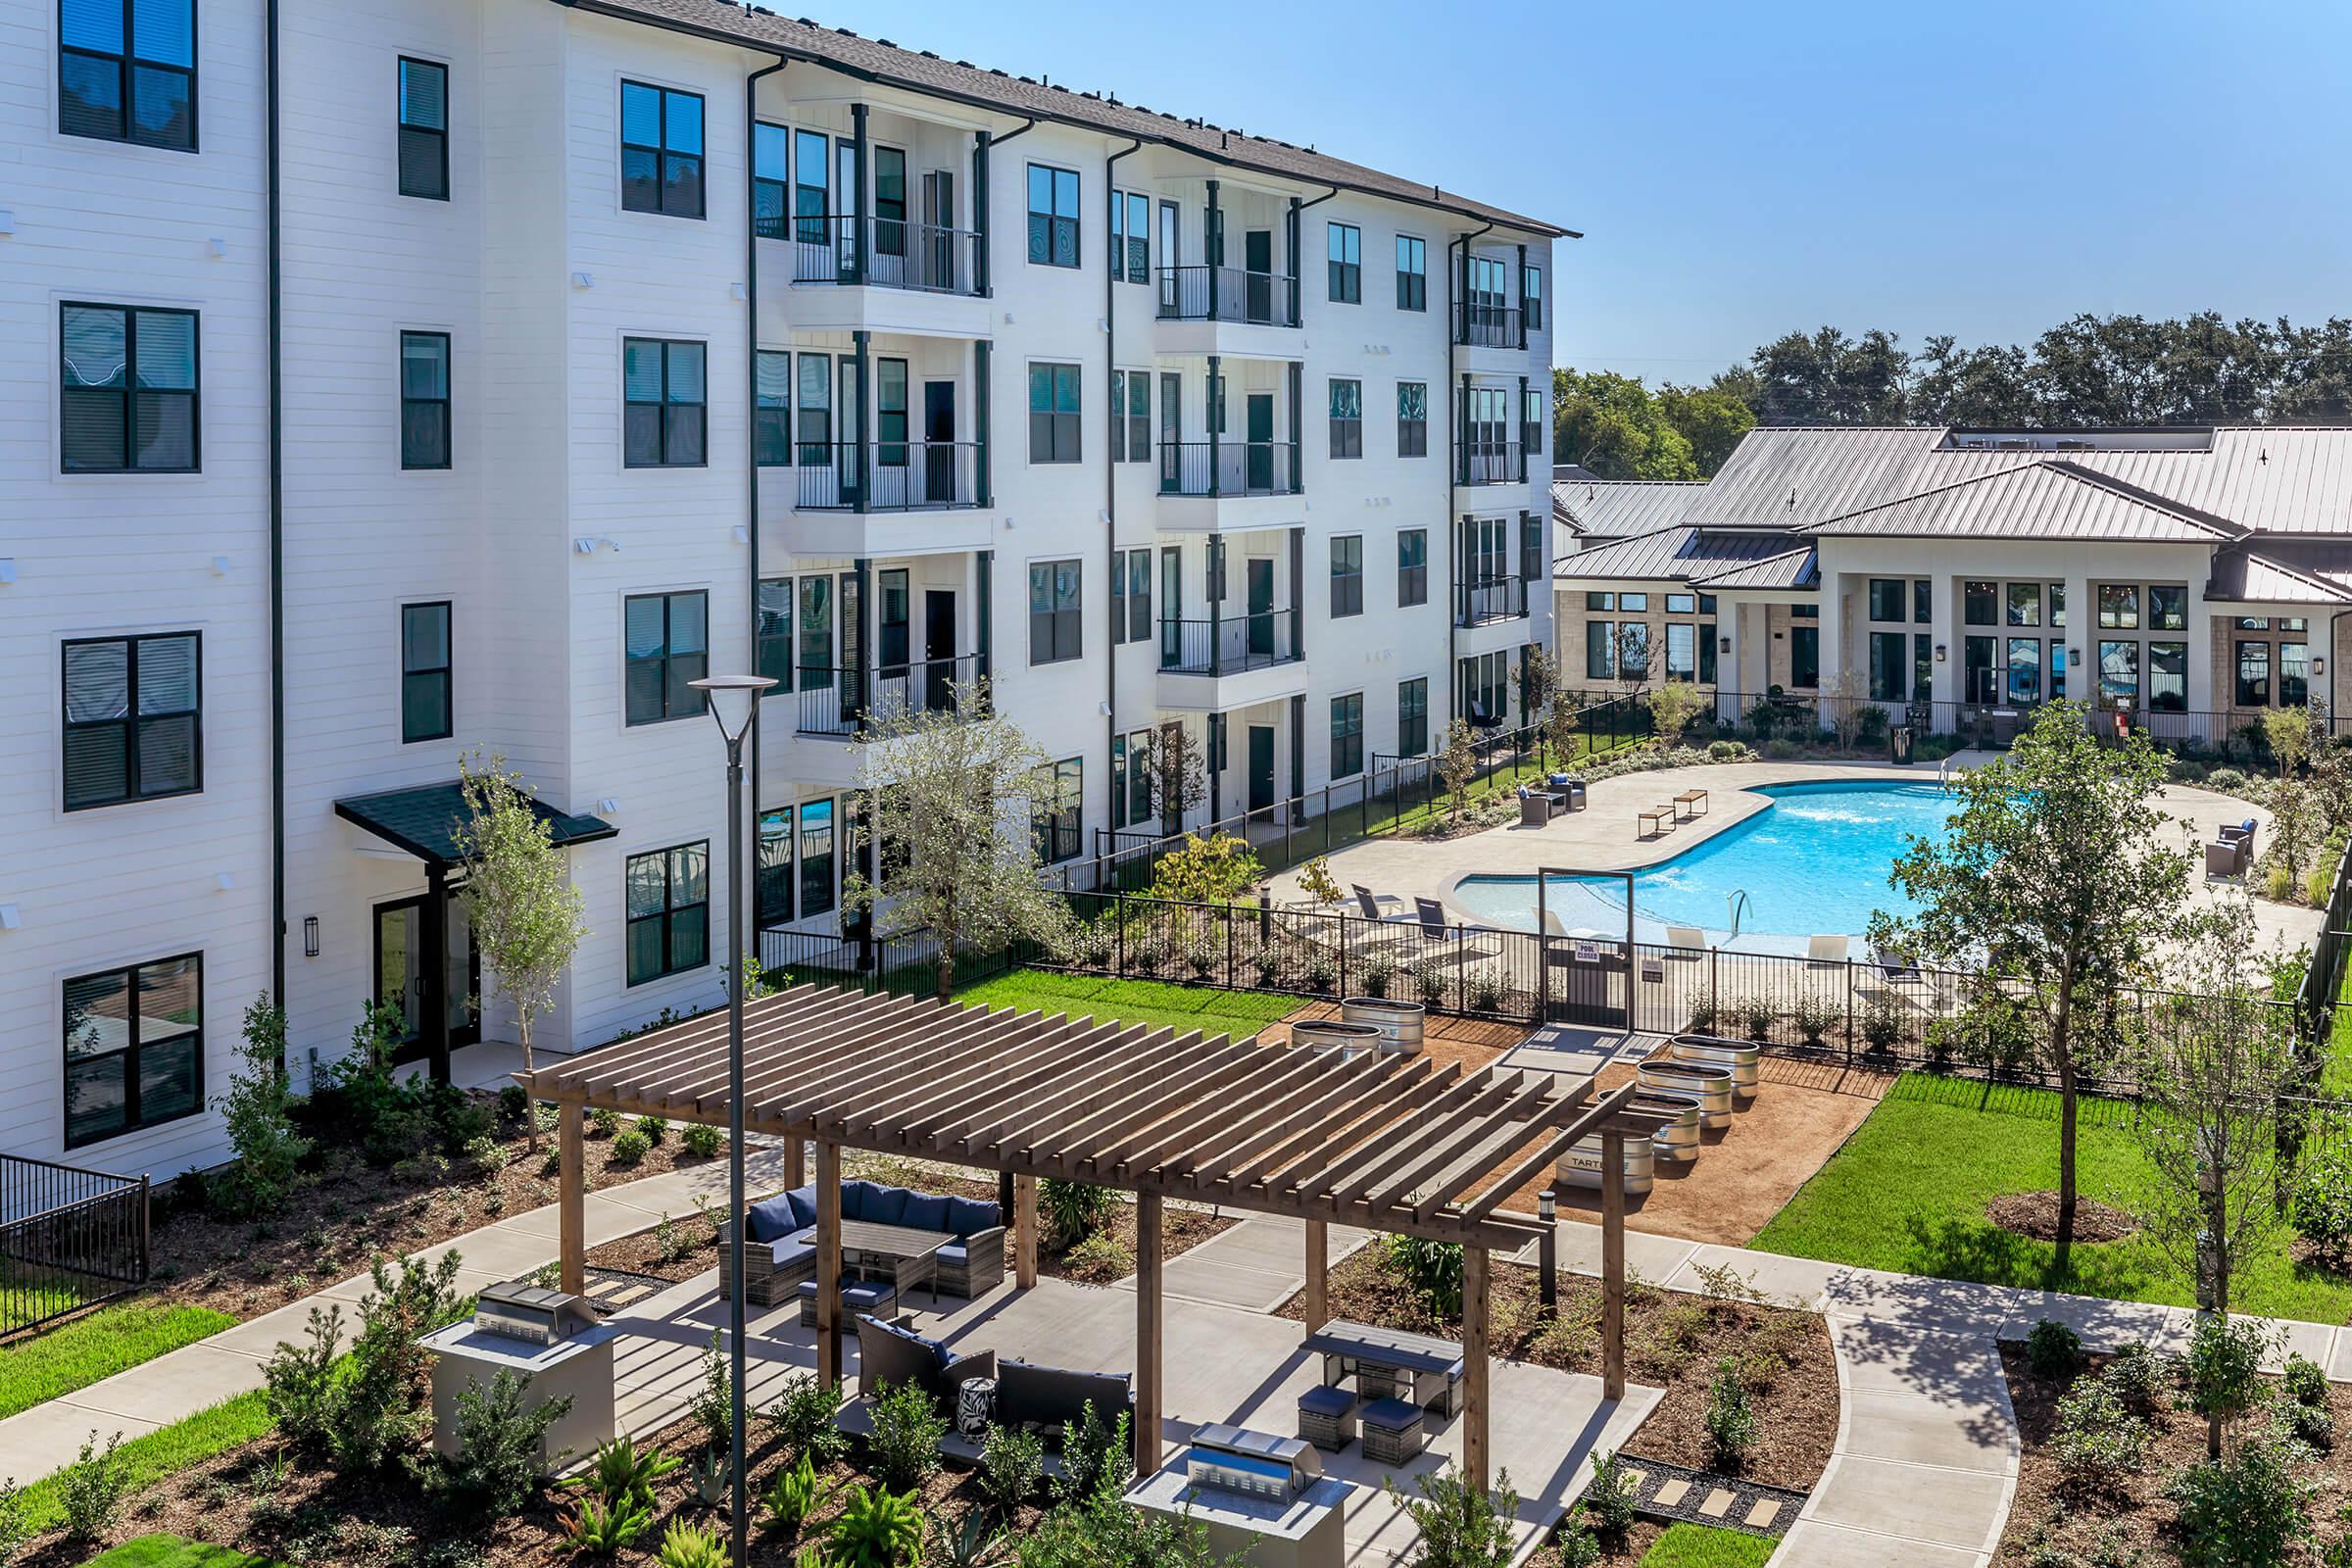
{"x":734,"y":702}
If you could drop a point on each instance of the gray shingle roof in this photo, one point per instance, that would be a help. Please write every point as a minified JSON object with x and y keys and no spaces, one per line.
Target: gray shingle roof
{"x":1669,"y":554}
{"x":919,"y":71}
{"x":2048,"y":499}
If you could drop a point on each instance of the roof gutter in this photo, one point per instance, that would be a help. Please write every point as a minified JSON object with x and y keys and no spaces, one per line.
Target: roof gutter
{"x":621,"y":13}
{"x":1003,"y":137}
{"x":745,"y":907}
{"x":1111,"y":471}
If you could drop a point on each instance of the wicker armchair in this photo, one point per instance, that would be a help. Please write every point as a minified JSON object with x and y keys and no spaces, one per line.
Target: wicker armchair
{"x":771,"y":1270}
{"x":973,"y":1266}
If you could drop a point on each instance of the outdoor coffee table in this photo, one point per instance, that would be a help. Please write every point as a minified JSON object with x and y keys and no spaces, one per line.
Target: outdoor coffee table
{"x":899,"y":1253}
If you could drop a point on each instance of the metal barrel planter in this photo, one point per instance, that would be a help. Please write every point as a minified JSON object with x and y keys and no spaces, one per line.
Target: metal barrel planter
{"x":1677,"y":1139}
{"x":1582,"y":1165}
{"x":1398,"y":1023}
{"x":1348,"y":1040}
{"x":1709,"y":1084}
{"x":1740,"y":1056}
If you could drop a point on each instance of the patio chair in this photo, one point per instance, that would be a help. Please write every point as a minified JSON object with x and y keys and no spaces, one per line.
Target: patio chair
{"x":1535,"y":808}
{"x":2229,"y":856}
{"x":1899,"y":977}
{"x":1370,"y":901}
{"x":1824,"y":950}
{"x":1688,"y":936}
{"x":1430,"y":915}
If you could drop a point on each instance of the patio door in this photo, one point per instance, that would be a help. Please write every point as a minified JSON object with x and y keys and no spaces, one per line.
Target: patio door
{"x":1260,"y":570}
{"x":1259,"y":478}
{"x":1261,"y":767}
{"x":939,"y":223}
{"x":938,"y":648}
{"x":400,"y":972}
{"x":938,"y":443}
{"x":1257,"y":257}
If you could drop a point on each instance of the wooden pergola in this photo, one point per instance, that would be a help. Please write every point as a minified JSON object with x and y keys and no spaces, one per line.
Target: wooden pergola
{"x":1388,"y":1143}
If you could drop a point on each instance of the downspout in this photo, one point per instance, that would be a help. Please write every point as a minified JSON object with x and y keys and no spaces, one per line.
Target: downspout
{"x":1299,"y":286}
{"x":1458,"y":466}
{"x":748,"y":912}
{"x":1110,"y":470}
{"x":278,"y":549}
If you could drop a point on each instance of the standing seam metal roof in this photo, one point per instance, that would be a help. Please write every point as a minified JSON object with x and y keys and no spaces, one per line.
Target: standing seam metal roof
{"x":2030,"y":500}
{"x":1668,"y":555}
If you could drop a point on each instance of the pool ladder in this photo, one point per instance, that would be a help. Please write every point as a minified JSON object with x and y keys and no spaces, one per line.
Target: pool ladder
{"x":1737,"y":900}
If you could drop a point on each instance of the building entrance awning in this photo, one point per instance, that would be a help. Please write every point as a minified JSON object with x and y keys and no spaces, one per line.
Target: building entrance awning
{"x":425,"y":820}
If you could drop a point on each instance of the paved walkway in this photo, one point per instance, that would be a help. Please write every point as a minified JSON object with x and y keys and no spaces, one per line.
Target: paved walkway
{"x":1255,"y":1267}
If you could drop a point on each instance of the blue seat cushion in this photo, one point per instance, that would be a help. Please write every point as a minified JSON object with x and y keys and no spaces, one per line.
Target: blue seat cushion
{"x":790,"y":1251}
{"x":1326,"y":1401}
{"x":768,"y":1221}
{"x":866,"y":1294}
{"x":803,"y":1206}
{"x":855,"y":1196}
{"x":886,"y":1204}
{"x":969,"y":1216}
{"x":925,"y":1212}
{"x":1392,"y":1415}
{"x":953,"y":1256}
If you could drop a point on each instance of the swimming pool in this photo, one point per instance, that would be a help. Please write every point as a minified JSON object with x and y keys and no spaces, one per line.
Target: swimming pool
{"x":1813,"y":863}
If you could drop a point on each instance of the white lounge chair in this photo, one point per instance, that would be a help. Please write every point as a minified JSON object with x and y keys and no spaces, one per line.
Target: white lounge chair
{"x":1824,"y":950}
{"x":1690,"y":937}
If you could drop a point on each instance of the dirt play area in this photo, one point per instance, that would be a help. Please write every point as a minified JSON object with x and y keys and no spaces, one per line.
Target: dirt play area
{"x":1744,"y":1173}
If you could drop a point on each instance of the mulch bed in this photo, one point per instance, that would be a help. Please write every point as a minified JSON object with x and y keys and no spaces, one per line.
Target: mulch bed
{"x":2036,"y":1214}
{"x":2134,"y":1515}
{"x":1672,"y":1340}
{"x":346,"y":1211}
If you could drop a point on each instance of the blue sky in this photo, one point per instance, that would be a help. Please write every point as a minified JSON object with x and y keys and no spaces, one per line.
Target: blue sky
{"x":1740,"y":170}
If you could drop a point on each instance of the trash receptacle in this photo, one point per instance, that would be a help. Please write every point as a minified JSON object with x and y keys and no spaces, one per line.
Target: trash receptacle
{"x":1898,"y":745}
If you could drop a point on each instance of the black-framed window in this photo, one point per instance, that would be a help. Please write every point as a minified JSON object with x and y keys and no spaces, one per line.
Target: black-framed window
{"x":1680,"y":604}
{"x":1531,"y":296}
{"x":772,"y":411}
{"x":813,"y":415}
{"x":1600,"y":601}
{"x":127,"y":378}
{"x":664,"y":418}
{"x":1347,"y":735}
{"x":1131,"y":237}
{"x":669,"y":894}
{"x":2168,"y":677}
{"x":1706,"y":652}
{"x":1804,"y":656}
{"x":1634,"y":604}
{"x":669,"y":646}
{"x":771,"y":170}
{"x":772,"y":869}
{"x":1413,"y":717}
{"x":2253,"y":674}
{"x":1412,"y":568}
{"x":772,"y":633}
{"x":1923,"y":666}
{"x":2119,"y":606}
{"x":424,"y":128}
{"x":1412,"y":273}
{"x":2167,"y":608}
{"x":1531,"y":421}
{"x":1130,"y":416}
{"x":2294,"y":675}
{"x":1980,"y":603}
{"x":1601,"y":650}
{"x":2119,"y":673}
{"x":1922,"y":601}
{"x":1056,"y":625}
{"x":2023,"y":665}
{"x":126,"y":71}
{"x":1889,"y":599}
{"x":1345,"y":247}
{"x":1347,"y":417}
{"x":427,"y":708}
{"x":1682,"y":651}
{"x":2025,"y":603}
{"x":1347,"y":576}
{"x":817,"y":839}
{"x":661,"y":150}
{"x":1053,"y":215}
{"x":1055,"y":823}
{"x":424,"y":400}
{"x":1131,"y":596}
{"x":1413,"y":418}
{"x":133,"y":1048}
{"x":133,"y":718}
{"x":1054,"y":434}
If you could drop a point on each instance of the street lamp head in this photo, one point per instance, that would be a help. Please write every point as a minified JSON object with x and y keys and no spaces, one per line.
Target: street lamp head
{"x":732,"y":699}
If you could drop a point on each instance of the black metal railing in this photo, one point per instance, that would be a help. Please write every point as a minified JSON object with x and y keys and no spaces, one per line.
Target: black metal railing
{"x":1205,"y":293}
{"x":2232,"y":737}
{"x":1490,"y":459}
{"x":1490,"y":327}
{"x":1228,"y":468}
{"x":1483,"y":599}
{"x":885,"y":475}
{"x":1230,"y":644}
{"x":894,"y":253}
{"x":70,"y":1238}
{"x":843,"y":703}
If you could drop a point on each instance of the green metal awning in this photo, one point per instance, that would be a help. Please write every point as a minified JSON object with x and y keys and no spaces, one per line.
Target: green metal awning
{"x":425,"y":820}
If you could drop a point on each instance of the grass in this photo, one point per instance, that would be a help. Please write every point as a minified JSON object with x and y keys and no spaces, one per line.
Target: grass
{"x":1688,"y":1545}
{"x":163,"y":1453}
{"x":1204,"y":1008}
{"x":1908,"y":1192}
{"x":108,"y":1341}
{"x":174,"y":1551}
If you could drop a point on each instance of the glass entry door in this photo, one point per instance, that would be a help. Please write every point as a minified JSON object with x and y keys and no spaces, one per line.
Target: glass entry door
{"x":400,"y":961}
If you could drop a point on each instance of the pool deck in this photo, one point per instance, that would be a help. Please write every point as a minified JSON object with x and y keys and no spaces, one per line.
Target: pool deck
{"x":1604,"y":837}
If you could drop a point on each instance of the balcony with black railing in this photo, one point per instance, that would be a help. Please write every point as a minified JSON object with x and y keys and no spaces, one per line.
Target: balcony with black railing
{"x":1482,"y":601}
{"x":1205,"y":293}
{"x":1219,"y":468}
{"x":1490,"y":459}
{"x":885,"y":475}
{"x":1480,"y":323}
{"x":835,"y":702}
{"x":879,"y":252}
{"x":1230,"y":645}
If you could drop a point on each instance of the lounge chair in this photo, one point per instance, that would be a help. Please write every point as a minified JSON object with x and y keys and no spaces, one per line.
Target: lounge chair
{"x":1898,"y":976}
{"x":1824,"y":950}
{"x":1430,"y":915}
{"x":1688,"y":936}
{"x":1370,"y":901}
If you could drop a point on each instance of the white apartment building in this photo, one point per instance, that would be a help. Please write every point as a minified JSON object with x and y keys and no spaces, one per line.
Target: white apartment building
{"x":539,"y":355}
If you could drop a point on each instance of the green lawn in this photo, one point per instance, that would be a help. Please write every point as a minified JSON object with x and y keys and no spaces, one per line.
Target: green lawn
{"x":108,"y":1339}
{"x":1203,"y":1007}
{"x":1685,"y":1545}
{"x":1908,"y":1191}
{"x":165,"y":1451}
{"x":174,"y":1551}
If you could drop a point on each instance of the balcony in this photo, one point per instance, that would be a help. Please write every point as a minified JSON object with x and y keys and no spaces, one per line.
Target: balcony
{"x":1220,"y":469}
{"x":842,"y":703}
{"x":878,"y":497}
{"x":1487,"y":600}
{"x":1202,"y":293}
{"x":880,"y":274}
{"x":1488,"y":459}
{"x":1231,"y":662}
{"x":1486,"y":325}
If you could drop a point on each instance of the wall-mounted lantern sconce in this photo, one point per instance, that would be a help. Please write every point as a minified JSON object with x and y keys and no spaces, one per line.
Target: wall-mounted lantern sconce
{"x":1723,"y":644}
{"x":2074,"y":658}
{"x":1940,"y":653}
{"x":309,"y":936}
{"x":2319,"y":667}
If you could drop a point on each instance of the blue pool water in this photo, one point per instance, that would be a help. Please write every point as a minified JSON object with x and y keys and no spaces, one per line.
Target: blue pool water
{"x":1814,"y":862}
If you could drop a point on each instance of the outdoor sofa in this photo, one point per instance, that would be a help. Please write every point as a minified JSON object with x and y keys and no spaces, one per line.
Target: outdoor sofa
{"x":781,"y":1253}
{"x":1044,"y":1398}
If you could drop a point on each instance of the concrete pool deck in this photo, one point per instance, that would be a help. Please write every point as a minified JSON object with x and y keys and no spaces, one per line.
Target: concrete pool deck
{"x":1605,"y":836}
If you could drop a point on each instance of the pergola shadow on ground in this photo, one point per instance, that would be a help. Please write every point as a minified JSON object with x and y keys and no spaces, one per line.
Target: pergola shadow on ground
{"x":1383,"y":1142}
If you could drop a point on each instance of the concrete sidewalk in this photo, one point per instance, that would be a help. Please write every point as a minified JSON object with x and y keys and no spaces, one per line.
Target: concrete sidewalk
{"x":1255,"y":1267}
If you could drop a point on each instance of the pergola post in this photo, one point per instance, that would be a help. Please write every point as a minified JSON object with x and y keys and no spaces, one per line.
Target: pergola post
{"x":828,"y":1262}
{"x":1024,"y":1231}
{"x":1150,"y":1327}
{"x":572,"y":1193}
{"x":1318,"y":1274}
{"x":1476,"y":1391}
{"x":795,"y":1162}
{"x":1612,"y":1264}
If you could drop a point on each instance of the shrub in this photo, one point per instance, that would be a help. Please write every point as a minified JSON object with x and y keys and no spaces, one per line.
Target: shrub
{"x":630,"y":1147}
{"x":1758,"y":1017}
{"x":714,"y":1407}
{"x":875,"y":1529}
{"x":2224,"y":1367}
{"x":1727,"y":750}
{"x":689,"y":1546}
{"x":1377,"y":971}
{"x":1102,"y":1255}
{"x":1882,"y":1023}
{"x":2309,"y":1425}
{"x":1431,"y":1270}
{"x":1434,"y":982}
{"x":654,"y":1128}
{"x":14,"y":1528}
{"x":300,"y":1387}
{"x":1150,"y":955}
{"x":621,"y":1471}
{"x":497,"y":1466}
{"x":255,"y":1111}
{"x":1073,"y":1210}
{"x":2303,"y":1382}
{"x":2245,"y":1510}
{"x":2053,"y":1351}
{"x":601,"y":1529}
{"x":1458,"y":1525}
{"x":513,"y":1103}
{"x":1611,"y":1498}
{"x":2322,"y":1209}
{"x":1319,"y":971}
{"x":2097,"y":1441}
{"x":1731,"y":1417}
{"x":1012,"y":1464}
{"x":90,"y":1491}
{"x":1813,"y":1016}
{"x":1702,"y":1014}
{"x":1485,"y":992}
{"x":375,"y":1418}
{"x":2136,"y":1376}
{"x":2226,"y":781}
{"x":604,"y":1120}
{"x":700,"y":1140}
{"x":803,"y":1418}
{"x":1266,"y":960}
{"x":1094,"y":1454}
{"x":793,"y":1493}
{"x":1779,"y":750}
{"x":461,"y":1120}
{"x":1096,"y":943}
{"x":903,"y":1446}
{"x":1200,"y":955}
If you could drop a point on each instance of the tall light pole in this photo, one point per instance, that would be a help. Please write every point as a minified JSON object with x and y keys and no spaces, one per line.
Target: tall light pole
{"x":734,"y":702}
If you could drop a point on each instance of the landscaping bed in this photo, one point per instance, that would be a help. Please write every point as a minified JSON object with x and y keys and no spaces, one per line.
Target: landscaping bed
{"x":1673,"y":1343}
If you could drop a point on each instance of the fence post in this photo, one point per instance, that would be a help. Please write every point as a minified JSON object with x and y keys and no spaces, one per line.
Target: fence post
{"x":1849,"y":1012}
{"x":1326,"y":819}
{"x":1118,"y":922}
{"x":1229,"y":972}
{"x":144,"y":1197}
{"x":1461,"y":974}
{"x":1265,"y":916}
